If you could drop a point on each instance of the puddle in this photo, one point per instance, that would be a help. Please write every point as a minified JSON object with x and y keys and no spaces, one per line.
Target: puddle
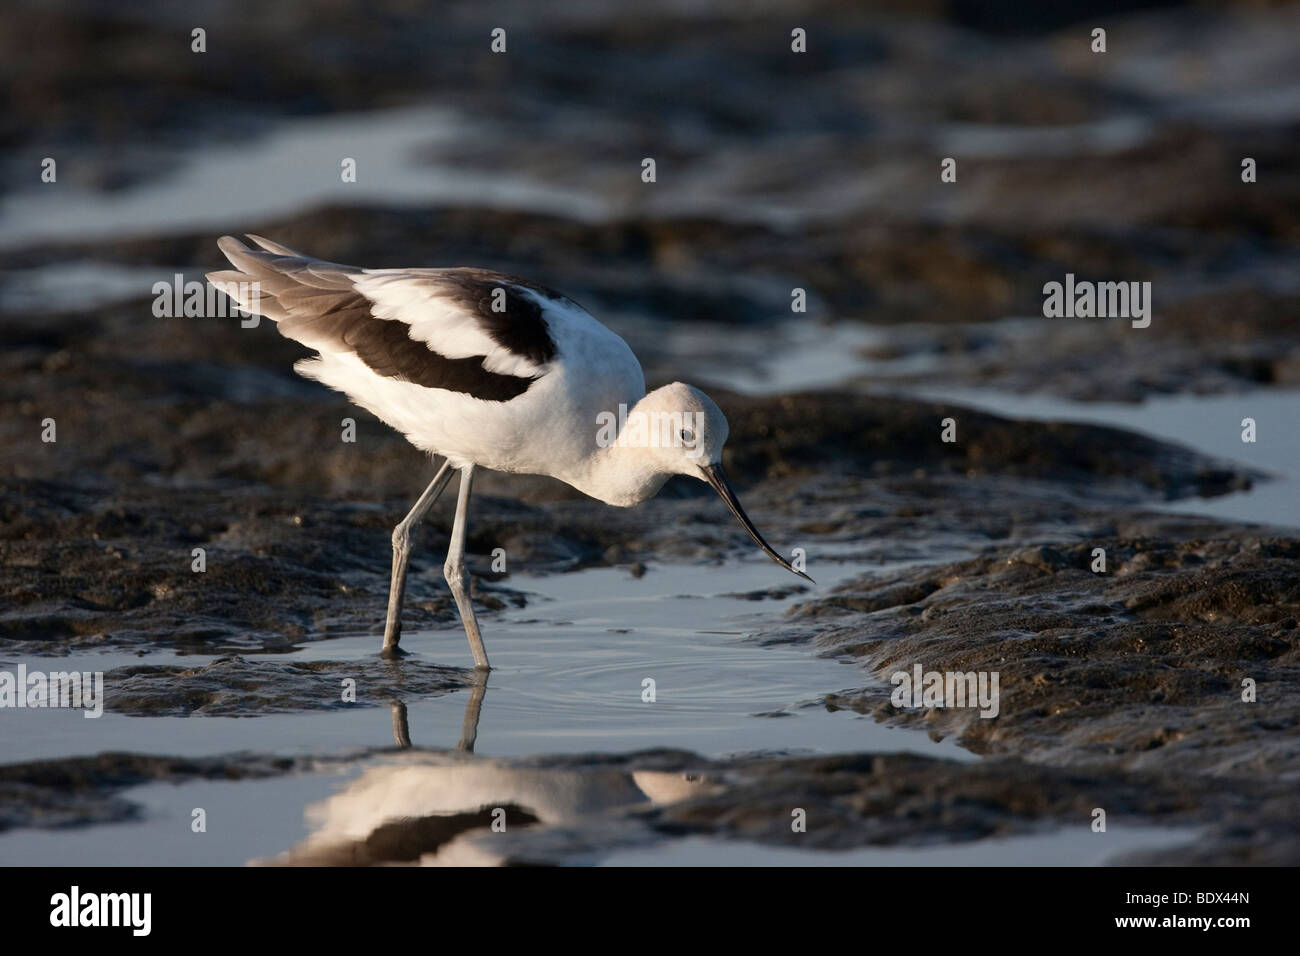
{"x":568,"y":676}
{"x":245,"y":820}
{"x":785,"y":357}
{"x":1210,"y":424}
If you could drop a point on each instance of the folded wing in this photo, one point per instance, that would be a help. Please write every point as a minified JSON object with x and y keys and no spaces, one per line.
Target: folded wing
{"x":474,"y":331}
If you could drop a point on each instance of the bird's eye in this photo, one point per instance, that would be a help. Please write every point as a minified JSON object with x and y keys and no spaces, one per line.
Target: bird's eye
{"x":688,"y":436}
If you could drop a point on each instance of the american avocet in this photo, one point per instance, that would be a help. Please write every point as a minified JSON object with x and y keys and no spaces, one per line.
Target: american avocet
{"x":489,"y":371}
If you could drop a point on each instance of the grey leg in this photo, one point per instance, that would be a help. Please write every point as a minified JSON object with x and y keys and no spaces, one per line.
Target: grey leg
{"x":402,"y":552}
{"x":456,"y":575}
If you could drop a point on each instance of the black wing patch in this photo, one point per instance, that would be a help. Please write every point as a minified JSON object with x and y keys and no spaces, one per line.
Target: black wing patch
{"x":519,"y":328}
{"x":385,"y":345}
{"x":314,"y":302}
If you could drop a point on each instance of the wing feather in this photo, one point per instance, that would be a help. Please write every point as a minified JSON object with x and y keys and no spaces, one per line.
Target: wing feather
{"x":468,"y":330}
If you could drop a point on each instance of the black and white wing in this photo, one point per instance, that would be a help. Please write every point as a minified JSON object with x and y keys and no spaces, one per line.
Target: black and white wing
{"x":472,"y":331}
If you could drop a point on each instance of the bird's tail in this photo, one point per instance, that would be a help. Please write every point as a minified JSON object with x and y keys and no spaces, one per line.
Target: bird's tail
{"x":255,"y":283}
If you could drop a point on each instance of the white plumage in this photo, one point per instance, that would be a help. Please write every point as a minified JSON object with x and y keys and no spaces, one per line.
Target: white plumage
{"x":399,"y":295}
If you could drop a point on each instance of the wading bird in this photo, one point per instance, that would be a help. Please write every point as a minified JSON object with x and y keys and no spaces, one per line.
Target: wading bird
{"x":488,"y":371}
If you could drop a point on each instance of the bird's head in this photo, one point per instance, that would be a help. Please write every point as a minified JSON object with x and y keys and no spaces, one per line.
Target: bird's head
{"x":685,"y":431}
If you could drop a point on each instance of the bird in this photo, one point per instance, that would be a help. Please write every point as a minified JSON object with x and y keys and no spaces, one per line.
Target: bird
{"x":489,"y":372}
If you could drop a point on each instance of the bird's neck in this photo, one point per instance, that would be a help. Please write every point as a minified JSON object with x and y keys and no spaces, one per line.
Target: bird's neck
{"x":621,"y":475}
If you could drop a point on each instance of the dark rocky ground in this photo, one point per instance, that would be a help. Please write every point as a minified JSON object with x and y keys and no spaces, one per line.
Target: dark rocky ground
{"x":1140,"y":666}
{"x":1120,"y":690}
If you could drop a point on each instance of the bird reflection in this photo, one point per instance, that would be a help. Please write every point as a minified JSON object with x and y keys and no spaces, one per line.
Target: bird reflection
{"x":441,"y":808}
{"x":468,"y":728}
{"x":447,"y":809}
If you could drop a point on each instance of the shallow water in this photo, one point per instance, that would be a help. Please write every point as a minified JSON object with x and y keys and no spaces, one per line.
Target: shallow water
{"x":794,"y":355}
{"x":246,"y":819}
{"x":568,"y":679}
{"x":1211,"y":424}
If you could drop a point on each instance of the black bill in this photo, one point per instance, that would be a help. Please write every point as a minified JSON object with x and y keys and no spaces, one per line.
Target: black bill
{"x":715,"y":476}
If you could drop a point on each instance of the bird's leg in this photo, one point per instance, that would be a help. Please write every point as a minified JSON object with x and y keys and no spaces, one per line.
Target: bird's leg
{"x":402,"y":552}
{"x":458,"y":577}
